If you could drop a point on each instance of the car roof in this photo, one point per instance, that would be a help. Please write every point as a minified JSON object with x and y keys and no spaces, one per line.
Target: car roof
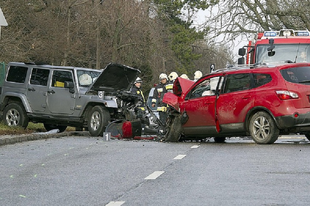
{"x":246,"y":68}
{"x":41,"y":65}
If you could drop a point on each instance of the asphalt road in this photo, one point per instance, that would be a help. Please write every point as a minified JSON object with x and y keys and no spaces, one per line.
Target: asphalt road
{"x":90,"y":171}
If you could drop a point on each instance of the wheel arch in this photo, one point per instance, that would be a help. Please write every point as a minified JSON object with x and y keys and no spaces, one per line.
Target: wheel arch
{"x":255,"y":110}
{"x":17,"y":98}
{"x":90,"y":105}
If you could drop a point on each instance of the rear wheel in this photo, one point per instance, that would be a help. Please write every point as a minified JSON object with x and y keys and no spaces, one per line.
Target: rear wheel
{"x":173,"y":129}
{"x":15,"y":115}
{"x":263,"y":128}
{"x":98,"y":119}
{"x":49,"y":127}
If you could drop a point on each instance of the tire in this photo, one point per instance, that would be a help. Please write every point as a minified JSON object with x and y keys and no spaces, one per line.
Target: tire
{"x":173,"y":129}
{"x":219,"y":139}
{"x":49,"y":127}
{"x":14,"y":114}
{"x":263,"y":128}
{"x":98,"y":119}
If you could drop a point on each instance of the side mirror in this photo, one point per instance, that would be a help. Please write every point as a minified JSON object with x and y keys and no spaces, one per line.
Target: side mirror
{"x":271,"y":45}
{"x":271,"y":53}
{"x":241,"y":60}
{"x":70,"y":85}
{"x":241,"y":51}
{"x":212,"y":68}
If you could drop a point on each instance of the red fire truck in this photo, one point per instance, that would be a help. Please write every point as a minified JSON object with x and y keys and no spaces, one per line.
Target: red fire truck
{"x":272,"y":47}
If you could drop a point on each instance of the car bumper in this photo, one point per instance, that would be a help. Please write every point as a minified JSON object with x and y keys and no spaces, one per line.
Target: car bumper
{"x":299,"y":123}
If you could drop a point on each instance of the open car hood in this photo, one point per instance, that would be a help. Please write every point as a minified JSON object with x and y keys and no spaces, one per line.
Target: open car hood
{"x":115,"y":77}
{"x":180,"y":87}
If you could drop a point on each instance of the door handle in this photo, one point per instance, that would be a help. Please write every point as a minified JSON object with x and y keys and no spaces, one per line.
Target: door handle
{"x":31,"y":89}
{"x":51,"y":92}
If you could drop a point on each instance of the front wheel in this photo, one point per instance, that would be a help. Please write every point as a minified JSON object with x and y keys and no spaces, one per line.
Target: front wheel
{"x":263,"y":128}
{"x":15,"y":115}
{"x":98,"y":119}
{"x":173,"y":129}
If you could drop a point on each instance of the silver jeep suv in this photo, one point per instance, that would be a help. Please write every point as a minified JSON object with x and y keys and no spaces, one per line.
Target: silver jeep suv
{"x":60,"y":96}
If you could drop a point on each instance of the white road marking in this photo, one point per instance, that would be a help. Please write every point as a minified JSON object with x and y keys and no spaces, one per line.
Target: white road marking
{"x":154,"y":175}
{"x":179,"y":157}
{"x":115,"y":203}
{"x":195,"y":146}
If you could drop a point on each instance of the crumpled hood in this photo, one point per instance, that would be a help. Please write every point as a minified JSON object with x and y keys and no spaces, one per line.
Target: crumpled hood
{"x":115,"y":77}
{"x":180,"y":87}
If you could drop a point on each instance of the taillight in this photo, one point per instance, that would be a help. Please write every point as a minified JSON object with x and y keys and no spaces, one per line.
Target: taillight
{"x":284,"y":95}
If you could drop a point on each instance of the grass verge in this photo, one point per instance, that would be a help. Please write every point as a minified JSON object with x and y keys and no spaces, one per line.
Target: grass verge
{"x":32,"y":127}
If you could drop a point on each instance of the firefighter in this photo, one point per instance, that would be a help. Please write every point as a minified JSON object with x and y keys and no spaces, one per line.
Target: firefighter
{"x":197,"y":75}
{"x":159,"y":92}
{"x":184,"y":76}
{"x":173,"y":76}
{"x":136,"y":89}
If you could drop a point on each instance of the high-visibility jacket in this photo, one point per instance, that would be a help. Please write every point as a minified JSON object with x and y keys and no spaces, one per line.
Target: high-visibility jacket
{"x":159,"y":92}
{"x":138,"y":91}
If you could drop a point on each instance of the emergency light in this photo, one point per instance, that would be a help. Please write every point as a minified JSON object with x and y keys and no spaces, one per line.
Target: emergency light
{"x":288,"y":33}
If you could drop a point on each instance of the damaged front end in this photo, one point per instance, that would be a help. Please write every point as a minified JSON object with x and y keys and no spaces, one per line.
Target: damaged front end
{"x":176,"y":117}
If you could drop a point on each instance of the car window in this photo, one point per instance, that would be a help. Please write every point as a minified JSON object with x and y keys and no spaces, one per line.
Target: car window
{"x":17,"y":74}
{"x":59,"y":78}
{"x":299,"y":75}
{"x":39,"y":76}
{"x":237,"y":82}
{"x":261,"y":79}
{"x":204,"y":88}
{"x":86,"y":77}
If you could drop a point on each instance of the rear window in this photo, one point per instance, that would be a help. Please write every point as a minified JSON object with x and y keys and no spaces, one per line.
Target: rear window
{"x":299,"y":75}
{"x":17,"y":74}
{"x":237,"y":82}
{"x":261,"y":79}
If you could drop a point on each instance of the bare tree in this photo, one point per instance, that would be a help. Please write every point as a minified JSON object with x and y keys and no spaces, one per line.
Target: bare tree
{"x":243,"y":17}
{"x":93,"y":33}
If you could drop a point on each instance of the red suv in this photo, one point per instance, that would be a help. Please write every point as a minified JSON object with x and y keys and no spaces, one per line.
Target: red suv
{"x":263,"y":102}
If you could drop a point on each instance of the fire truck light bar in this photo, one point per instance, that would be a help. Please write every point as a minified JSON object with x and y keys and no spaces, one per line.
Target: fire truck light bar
{"x":288,"y":33}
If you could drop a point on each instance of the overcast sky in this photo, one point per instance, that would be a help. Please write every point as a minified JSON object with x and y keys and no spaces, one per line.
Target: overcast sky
{"x":202,"y":16}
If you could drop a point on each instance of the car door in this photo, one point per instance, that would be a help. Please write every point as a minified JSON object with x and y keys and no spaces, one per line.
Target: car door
{"x":37,"y":89}
{"x":59,"y":99}
{"x":199,"y":106}
{"x":234,"y":102}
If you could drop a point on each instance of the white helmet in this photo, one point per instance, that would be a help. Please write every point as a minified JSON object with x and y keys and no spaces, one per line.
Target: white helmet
{"x":163,"y":76}
{"x":197,"y":75}
{"x":138,"y":80}
{"x":184,"y":76}
{"x":173,"y":76}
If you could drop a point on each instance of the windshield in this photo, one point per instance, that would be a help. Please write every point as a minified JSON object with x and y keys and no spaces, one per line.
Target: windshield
{"x":283,"y":53}
{"x":87,"y":77}
{"x":300,"y":75}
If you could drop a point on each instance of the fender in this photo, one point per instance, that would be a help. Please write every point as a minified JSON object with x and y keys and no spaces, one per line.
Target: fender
{"x":22,"y":97}
{"x":257,"y":109}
